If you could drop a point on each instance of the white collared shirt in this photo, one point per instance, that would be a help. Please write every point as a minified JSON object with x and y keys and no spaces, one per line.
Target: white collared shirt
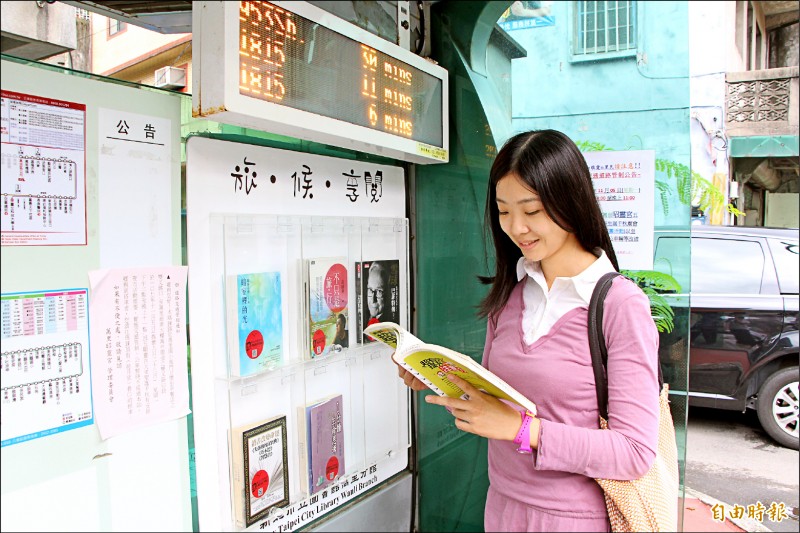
{"x":543,"y":307}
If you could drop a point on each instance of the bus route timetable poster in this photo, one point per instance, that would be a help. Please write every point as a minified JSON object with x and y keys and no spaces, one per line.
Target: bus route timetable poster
{"x":46,"y":383}
{"x":43,"y":171}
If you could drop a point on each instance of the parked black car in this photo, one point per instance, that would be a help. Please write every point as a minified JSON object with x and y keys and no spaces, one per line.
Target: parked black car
{"x":743,"y":324}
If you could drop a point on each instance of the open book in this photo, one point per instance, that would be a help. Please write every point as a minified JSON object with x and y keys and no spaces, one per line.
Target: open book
{"x":431,"y":364}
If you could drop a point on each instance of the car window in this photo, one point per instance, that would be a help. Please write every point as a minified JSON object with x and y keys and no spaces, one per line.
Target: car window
{"x":726,"y":266}
{"x":672,"y":257}
{"x":785,"y":254}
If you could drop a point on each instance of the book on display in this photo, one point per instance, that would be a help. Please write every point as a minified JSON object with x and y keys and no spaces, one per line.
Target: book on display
{"x":255,"y":322}
{"x":261,"y":469}
{"x":322,"y":442}
{"x":326,"y":305}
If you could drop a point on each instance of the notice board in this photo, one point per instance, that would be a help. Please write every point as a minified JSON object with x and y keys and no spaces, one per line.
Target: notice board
{"x":92,"y":172}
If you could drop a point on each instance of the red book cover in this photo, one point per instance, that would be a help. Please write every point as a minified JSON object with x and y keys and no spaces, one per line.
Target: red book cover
{"x":326,"y":282}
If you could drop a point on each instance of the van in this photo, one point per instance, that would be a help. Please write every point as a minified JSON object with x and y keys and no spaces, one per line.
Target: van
{"x":743,"y":323}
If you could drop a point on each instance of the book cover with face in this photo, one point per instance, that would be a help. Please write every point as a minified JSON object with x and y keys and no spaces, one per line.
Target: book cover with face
{"x":379,"y":293}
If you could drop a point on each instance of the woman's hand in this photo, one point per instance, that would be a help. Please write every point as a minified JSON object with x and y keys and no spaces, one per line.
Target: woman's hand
{"x":482,"y":414}
{"x":410,"y":379}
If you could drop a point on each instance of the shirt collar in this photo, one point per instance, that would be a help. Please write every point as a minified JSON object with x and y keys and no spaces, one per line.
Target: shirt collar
{"x":584,"y":282}
{"x":521,"y":273}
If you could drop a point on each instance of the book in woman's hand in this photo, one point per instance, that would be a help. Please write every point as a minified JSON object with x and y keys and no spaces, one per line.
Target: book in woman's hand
{"x":431,"y":363}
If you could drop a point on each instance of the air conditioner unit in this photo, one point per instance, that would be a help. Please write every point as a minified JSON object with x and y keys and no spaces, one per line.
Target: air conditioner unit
{"x":170,"y":78}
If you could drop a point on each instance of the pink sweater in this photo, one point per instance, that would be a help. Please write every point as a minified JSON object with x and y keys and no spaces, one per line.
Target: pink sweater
{"x":556,"y":373}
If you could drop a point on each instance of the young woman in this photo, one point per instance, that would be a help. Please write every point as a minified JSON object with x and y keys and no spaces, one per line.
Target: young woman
{"x":552,"y":246}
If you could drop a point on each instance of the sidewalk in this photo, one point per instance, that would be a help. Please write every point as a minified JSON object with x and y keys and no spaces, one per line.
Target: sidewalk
{"x":698,"y":516}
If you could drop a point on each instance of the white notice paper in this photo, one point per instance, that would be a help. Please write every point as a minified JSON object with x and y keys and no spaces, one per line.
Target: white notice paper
{"x":624,"y":183}
{"x":134,"y":189}
{"x":138,"y":332}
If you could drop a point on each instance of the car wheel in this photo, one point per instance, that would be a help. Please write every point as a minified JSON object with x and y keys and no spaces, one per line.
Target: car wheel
{"x":778,"y":403}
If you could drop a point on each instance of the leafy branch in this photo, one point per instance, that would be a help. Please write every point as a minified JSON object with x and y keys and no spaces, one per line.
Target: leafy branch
{"x":591,"y":146}
{"x":653,"y":284}
{"x":690,"y":185}
{"x":659,"y":281}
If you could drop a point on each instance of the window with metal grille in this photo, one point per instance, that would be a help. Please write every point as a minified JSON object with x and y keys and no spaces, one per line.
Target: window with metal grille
{"x":603,"y":27}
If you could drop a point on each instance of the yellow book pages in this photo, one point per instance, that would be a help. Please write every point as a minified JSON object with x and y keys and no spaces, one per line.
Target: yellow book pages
{"x":431,"y":364}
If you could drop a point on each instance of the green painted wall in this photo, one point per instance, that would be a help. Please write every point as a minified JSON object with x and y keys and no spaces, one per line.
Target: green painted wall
{"x":631,"y":103}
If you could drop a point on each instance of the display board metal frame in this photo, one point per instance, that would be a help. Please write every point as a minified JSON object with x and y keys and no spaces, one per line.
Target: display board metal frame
{"x":216,"y":93}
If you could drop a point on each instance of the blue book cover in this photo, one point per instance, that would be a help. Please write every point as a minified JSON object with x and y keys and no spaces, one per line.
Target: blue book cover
{"x":257,"y":332}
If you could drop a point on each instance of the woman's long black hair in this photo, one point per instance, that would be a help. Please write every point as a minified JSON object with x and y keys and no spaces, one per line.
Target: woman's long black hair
{"x":550,"y":164}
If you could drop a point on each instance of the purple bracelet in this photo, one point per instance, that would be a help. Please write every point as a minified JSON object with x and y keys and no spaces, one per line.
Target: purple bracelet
{"x":523,"y":438}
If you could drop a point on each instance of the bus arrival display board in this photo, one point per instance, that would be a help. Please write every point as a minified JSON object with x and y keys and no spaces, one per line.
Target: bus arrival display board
{"x":294,"y":69}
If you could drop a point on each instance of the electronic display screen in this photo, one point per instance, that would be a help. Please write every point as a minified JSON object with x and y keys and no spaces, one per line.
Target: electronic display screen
{"x":289,"y":60}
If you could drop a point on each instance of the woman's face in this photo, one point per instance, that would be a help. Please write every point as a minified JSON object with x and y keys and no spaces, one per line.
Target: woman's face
{"x":524,"y":220}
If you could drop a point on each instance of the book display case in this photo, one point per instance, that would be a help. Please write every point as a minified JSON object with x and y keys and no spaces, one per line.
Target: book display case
{"x":252,"y":295}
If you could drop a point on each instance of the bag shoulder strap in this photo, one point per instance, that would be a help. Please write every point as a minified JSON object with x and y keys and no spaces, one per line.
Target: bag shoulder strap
{"x":597,"y":343}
